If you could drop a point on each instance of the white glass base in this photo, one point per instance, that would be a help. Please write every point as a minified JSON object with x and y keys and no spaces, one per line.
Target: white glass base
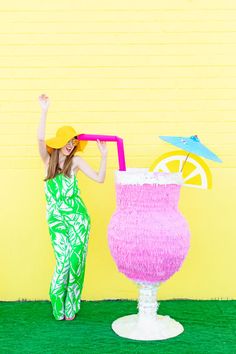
{"x":147,"y":328}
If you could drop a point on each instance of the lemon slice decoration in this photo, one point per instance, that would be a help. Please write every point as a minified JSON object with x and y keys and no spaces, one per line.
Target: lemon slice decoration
{"x":194,"y":170}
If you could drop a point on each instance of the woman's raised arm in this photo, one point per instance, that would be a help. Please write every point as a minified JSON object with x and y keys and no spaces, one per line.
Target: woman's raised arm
{"x":88,"y":170}
{"x":44,"y":103}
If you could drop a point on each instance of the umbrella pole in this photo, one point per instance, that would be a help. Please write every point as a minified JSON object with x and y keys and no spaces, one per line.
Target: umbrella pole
{"x":185,"y":162}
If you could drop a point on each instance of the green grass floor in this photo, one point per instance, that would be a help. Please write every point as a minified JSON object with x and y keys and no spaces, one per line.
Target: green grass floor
{"x":29,"y":327}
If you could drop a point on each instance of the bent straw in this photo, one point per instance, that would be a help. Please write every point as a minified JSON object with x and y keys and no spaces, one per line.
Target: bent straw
{"x":119,"y":142}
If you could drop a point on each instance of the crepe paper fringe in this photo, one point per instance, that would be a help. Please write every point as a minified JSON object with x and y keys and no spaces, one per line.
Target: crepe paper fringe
{"x":147,"y":235}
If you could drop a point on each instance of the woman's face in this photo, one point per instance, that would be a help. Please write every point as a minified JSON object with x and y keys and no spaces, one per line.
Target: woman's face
{"x":69,"y":147}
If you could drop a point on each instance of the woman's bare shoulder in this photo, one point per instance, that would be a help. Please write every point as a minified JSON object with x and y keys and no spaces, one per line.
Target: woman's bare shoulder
{"x":75,"y":164}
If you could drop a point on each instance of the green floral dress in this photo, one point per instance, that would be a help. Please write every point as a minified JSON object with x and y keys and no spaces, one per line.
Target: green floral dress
{"x":69,"y":226}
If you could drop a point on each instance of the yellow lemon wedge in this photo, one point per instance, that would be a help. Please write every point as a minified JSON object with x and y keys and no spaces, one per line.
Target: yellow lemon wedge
{"x":194,"y":170}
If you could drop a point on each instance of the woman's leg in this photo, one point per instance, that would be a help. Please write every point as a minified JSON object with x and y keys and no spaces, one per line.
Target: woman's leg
{"x":79,"y":228}
{"x":61,"y":246}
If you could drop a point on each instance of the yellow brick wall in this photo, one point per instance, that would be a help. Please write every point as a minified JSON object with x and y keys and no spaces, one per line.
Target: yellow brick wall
{"x":136,"y":69}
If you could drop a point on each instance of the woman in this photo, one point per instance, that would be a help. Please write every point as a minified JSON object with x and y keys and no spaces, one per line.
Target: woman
{"x":67,"y":217}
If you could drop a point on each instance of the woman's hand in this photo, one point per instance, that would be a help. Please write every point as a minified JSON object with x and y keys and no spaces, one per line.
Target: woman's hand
{"x":44,"y":102}
{"x":102,"y":147}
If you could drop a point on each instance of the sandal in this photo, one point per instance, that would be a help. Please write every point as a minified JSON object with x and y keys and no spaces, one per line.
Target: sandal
{"x":69,"y":318}
{"x":60,"y":319}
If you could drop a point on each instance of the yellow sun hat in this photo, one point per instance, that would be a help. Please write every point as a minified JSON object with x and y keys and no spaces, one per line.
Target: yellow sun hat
{"x":63,"y":135}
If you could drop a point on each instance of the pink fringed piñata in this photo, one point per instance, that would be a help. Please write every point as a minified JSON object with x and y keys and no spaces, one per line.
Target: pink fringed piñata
{"x":148,"y":236}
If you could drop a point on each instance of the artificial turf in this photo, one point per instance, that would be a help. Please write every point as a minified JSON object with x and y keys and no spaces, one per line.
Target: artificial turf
{"x":29,"y":327}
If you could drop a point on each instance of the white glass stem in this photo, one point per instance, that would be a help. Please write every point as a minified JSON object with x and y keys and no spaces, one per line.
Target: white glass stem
{"x":147,"y":302}
{"x":146,"y":324}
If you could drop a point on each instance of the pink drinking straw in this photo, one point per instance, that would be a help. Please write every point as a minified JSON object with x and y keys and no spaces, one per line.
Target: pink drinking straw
{"x":119,"y":142}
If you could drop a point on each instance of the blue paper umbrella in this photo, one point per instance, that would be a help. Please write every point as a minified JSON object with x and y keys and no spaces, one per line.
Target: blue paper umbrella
{"x":191,"y":144}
